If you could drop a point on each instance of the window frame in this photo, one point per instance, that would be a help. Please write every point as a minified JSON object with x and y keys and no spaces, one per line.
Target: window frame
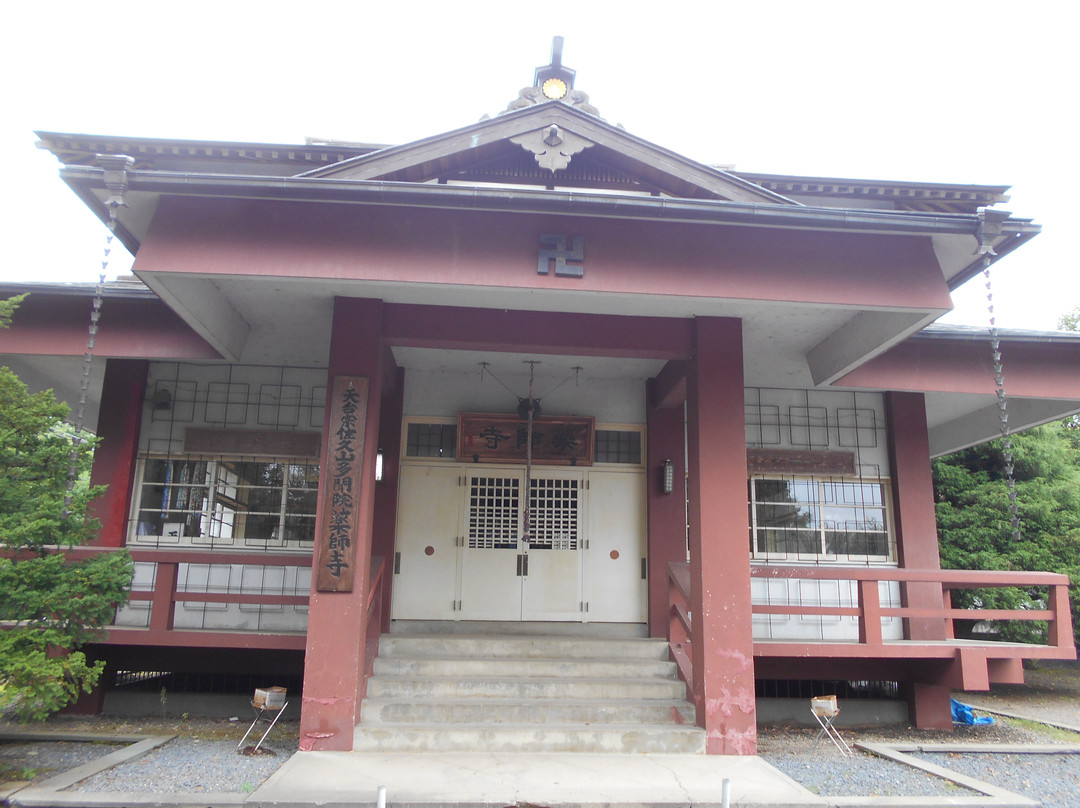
{"x":222,"y":493}
{"x":821,"y":523}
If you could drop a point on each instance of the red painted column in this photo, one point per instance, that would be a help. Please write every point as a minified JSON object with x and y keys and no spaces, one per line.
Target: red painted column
{"x":915,"y":526}
{"x":334,"y":665}
{"x":386,"y":491}
{"x":721,"y":643}
{"x":913,"y":502}
{"x":119,"y":419}
{"x":667,"y":512}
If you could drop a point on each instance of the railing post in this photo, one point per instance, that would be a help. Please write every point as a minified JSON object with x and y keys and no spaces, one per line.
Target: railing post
{"x":869,"y":613}
{"x":950,"y":626}
{"x":1060,"y":630}
{"x":676,"y":630}
{"x":163,"y":606}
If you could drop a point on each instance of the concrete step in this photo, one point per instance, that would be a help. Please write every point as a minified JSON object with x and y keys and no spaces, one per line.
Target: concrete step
{"x":487,"y":646}
{"x":610,"y":738}
{"x":525,"y":693}
{"x":606,"y":668}
{"x":525,"y":711}
{"x":453,"y":687}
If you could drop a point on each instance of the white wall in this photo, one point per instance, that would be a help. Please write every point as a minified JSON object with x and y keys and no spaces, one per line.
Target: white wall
{"x":446,"y":393}
{"x":228,"y":397}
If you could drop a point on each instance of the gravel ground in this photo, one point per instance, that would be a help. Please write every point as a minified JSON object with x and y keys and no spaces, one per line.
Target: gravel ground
{"x":190,"y":764}
{"x":1051,"y":692}
{"x":819,"y":766}
{"x":35,"y":761}
{"x":202,"y":759}
{"x":1054,"y":780}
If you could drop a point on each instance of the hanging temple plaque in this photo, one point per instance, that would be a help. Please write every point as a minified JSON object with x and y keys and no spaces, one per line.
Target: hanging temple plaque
{"x":494,"y":438}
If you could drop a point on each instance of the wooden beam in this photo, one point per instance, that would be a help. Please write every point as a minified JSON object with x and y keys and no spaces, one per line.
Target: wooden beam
{"x":555,"y":333}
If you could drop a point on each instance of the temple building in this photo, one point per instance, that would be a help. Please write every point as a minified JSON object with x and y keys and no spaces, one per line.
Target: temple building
{"x":537,"y":386}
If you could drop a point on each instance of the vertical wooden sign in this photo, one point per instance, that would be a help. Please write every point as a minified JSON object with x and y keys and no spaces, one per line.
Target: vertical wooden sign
{"x":339,"y":514}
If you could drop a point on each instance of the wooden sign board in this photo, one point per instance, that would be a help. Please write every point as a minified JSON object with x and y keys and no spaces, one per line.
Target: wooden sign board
{"x":339,"y":507}
{"x":788,"y":461}
{"x":495,"y":438}
{"x":253,"y":442}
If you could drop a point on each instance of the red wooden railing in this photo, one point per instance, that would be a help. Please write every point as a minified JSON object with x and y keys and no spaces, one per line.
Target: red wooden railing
{"x":870,"y":612}
{"x":164,"y":596}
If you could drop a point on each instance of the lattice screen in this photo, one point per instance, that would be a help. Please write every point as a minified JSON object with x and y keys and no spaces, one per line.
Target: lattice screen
{"x":494,"y":507}
{"x":553,"y":514}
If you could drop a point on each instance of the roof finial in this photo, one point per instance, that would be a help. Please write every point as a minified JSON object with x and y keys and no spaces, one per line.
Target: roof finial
{"x":556,"y":51}
{"x":553,"y":82}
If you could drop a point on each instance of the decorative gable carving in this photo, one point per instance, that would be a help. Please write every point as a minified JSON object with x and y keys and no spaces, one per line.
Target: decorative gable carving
{"x":531,"y":96}
{"x":468,"y":150}
{"x":552,"y":147}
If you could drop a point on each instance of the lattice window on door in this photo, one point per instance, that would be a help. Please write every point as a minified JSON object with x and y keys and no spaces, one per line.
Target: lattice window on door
{"x":494,"y":506}
{"x":553,"y":515}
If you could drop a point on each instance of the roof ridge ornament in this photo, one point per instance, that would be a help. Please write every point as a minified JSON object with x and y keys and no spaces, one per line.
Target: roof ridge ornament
{"x":553,"y":82}
{"x":552,"y":147}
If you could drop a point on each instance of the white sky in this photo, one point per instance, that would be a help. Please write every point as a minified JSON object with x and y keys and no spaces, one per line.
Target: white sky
{"x":947,"y":91}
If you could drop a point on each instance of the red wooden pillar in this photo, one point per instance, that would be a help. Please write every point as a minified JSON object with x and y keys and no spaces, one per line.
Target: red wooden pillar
{"x":334,"y":665}
{"x":119,"y":419}
{"x":386,"y":491}
{"x":667,"y":512}
{"x":721,"y":643}
{"x":915,"y":526}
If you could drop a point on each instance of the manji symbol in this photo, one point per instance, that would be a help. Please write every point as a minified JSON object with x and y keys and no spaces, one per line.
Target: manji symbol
{"x":553,"y":250}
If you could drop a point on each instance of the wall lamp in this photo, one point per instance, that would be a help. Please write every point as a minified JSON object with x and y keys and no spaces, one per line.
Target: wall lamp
{"x":378,"y":466}
{"x":668,"y":482}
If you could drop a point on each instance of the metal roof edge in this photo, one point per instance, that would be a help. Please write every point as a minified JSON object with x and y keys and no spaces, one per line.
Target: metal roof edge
{"x":134,"y":290}
{"x":972,"y":333}
{"x":568,"y":202}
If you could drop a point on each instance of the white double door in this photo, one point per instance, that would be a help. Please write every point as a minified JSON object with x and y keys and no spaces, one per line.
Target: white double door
{"x":514,"y":571}
{"x":464,"y":553}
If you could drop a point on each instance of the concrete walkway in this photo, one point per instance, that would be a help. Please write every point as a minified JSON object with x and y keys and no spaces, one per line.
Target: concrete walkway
{"x":434,"y":780}
{"x":310,"y":779}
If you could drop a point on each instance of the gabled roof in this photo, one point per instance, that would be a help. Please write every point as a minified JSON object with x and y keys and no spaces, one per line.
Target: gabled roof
{"x":551,"y":144}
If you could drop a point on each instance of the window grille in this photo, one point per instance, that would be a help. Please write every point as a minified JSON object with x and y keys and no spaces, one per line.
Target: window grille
{"x":431,"y":440}
{"x":494,"y":506}
{"x":618,"y":446}
{"x":814,"y":516}
{"x":227,"y":501}
{"x":553,"y":514}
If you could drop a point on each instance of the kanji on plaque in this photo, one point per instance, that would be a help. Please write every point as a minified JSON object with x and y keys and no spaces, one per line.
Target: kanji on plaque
{"x":499,"y":438}
{"x":339,"y":509}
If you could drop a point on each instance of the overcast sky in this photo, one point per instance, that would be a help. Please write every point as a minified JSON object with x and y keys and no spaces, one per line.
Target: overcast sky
{"x":946,"y":91}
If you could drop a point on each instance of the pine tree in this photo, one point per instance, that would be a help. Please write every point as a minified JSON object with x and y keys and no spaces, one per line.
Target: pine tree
{"x":49,"y":605}
{"x":974,"y":526}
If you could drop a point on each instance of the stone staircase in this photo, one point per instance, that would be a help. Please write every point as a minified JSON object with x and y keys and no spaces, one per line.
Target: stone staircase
{"x":485,"y":693}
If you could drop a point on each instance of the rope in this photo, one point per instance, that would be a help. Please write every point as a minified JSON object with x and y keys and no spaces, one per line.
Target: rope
{"x":531,"y":409}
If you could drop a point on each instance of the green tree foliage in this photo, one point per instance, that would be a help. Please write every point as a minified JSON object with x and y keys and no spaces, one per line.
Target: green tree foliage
{"x":7,"y":309}
{"x":974,"y":521}
{"x":49,"y":605}
{"x":1070,"y":321}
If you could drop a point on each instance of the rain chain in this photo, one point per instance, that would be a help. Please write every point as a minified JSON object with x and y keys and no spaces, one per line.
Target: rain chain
{"x":999,"y":381}
{"x":88,"y":360}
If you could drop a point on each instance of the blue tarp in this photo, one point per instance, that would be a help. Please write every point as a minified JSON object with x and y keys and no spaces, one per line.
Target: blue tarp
{"x":962,"y":714}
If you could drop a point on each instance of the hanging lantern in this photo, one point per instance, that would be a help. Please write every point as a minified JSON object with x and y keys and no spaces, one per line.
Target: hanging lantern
{"x":668,"y":479}
{"x":523,"y":408}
